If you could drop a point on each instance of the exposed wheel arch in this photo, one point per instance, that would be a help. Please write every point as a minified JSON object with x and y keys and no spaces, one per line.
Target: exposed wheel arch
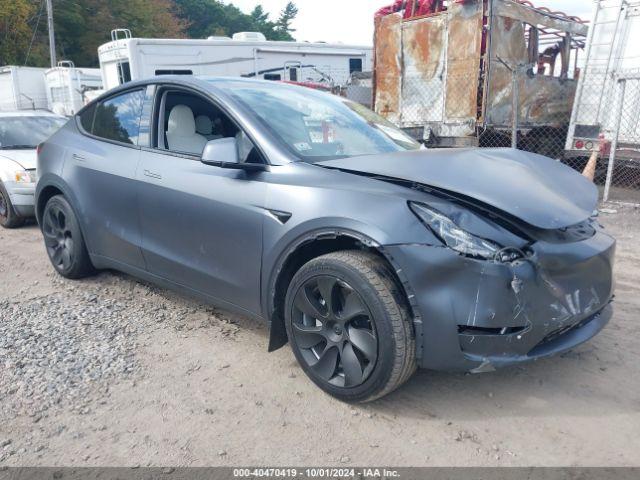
{"x":311,"y":246}
{"x":51,"y":187}
{"x":349,"y":327}
{"x":47,"y":193}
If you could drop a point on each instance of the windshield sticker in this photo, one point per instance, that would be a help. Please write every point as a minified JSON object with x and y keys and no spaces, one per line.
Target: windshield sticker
{"x":303,"y":146}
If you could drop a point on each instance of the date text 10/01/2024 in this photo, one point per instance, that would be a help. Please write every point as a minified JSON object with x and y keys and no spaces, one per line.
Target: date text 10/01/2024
{"x":315,"y":473}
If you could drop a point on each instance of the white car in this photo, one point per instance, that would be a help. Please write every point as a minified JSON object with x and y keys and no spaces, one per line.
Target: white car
{"x":20,"y":134}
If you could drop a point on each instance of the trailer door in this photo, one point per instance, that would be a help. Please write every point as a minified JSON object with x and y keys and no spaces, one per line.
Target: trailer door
{"x":7,"y":95}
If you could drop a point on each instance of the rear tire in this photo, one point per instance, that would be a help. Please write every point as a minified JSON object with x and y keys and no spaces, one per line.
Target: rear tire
{"x":349,"y":326}
{"x":64,"y":241}
{"x":8,"y":216}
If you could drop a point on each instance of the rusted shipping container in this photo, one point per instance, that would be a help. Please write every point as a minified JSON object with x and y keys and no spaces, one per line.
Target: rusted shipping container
{"x":449,"y":76}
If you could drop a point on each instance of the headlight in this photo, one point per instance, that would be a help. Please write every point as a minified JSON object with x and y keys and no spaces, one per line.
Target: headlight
{"x":452,"y":235}
{"x":25,"y":176}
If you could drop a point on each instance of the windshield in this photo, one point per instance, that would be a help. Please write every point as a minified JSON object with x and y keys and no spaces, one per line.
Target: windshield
{"x":318,"y":126}
{"x":27,"y":132}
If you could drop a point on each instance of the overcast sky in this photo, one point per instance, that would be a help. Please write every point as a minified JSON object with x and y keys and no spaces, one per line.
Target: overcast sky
{"x":351,"y":21}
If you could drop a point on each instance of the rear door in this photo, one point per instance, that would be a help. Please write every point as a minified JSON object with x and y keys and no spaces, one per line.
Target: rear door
{"x":101,"y":167}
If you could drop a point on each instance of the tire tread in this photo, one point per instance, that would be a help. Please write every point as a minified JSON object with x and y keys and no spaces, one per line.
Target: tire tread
{"x":377,"y":274}
{"x":82,"y":267}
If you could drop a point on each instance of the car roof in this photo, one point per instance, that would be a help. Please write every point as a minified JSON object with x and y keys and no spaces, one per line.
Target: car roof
{"x":222,"y":86}
{"x":211,"y":83}
{"x":29,"y":113}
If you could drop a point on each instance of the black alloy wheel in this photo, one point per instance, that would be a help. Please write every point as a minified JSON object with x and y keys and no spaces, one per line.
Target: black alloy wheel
{"x":349,"y":325}
{"x":63,"y":239}
{"x":333,"y":329}
{"x":58,"y":238}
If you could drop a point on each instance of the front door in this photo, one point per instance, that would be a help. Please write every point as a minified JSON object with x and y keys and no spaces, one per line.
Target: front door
{"x":201,"y":225}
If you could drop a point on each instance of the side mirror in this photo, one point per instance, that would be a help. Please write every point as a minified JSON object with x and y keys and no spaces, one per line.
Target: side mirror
{"x":223,"y":153}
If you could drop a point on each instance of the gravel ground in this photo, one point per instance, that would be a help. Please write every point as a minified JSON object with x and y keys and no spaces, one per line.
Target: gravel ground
{"x":112,"y":371}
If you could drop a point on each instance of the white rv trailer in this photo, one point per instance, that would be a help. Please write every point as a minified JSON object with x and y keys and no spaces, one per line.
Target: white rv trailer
{"x":611,"y":55}
{"x":67,"y":86}
{"x":22,"y":88}
{"x":247,"y":54}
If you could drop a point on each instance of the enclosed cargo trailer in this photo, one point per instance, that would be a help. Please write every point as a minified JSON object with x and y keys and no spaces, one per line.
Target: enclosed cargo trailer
{"x":22,"y":88}
{"x":68,"y":85}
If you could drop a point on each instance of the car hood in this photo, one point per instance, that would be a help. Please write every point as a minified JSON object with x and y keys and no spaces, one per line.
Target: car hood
{"x":538,"y":190}
{"x":27,"y":159}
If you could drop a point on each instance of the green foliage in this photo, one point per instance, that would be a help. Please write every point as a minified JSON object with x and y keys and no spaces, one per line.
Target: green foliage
{"x":83,"y":25}
{"x":213,"y":17}
{"x":288,"y":14}
{"x":15,"y":31}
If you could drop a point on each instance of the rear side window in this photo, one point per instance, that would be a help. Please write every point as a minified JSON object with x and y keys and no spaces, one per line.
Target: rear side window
{"x":118,"y":118}
{"x":86,"y":118}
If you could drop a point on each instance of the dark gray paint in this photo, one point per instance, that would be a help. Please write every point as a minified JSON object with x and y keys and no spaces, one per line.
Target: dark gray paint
{"x":216,"y":245}
{"x":103,"y":178}
{"x":536,"y":189}
{"x":210,"y":231}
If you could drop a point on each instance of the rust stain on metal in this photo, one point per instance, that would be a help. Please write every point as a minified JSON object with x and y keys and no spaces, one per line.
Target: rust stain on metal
{"x":523,"y":13}
{"x":423,"y":42}
{"x":546,"y":100}
{"x":463,"y":61}
{"x":508,"y":23}
{"x":432,"y":73}
{"x":387,"y":59}
{"x":542,"y":100}
{"x":423,"y":70}
{"x":509,"y":42}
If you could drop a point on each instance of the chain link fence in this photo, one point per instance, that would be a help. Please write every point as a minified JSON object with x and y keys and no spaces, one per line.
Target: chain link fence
{"x":622,"y":177}
{"x":446,"y":116}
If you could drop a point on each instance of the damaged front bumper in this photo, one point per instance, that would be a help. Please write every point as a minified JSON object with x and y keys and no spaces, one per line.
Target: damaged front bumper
{"x":478,"y":315}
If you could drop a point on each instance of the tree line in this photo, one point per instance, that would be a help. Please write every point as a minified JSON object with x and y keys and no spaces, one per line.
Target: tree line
{"x":82,"y":25}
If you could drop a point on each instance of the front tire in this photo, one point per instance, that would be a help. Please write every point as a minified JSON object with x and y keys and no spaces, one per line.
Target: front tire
{"x":8,"y":216}
{"x":64,"y":241}
{"x":349,"y":326}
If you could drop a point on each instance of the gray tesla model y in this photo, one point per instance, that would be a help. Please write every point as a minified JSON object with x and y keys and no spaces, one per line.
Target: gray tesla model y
{"x":367,"y":253}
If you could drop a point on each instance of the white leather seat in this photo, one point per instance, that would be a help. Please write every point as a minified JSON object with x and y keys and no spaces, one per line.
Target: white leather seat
{"x":181,"y":133}
{"x":204,"y":126}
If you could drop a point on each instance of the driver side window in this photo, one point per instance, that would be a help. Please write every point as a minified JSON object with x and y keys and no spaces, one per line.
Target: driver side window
{"x":187,"y":121}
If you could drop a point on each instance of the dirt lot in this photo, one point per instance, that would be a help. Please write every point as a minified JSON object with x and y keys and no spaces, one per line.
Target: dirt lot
{"x":110,"y":371}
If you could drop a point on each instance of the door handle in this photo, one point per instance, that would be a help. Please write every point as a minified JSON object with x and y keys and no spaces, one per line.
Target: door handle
{"x":78,"y":158}
{"x":148,"y":173}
